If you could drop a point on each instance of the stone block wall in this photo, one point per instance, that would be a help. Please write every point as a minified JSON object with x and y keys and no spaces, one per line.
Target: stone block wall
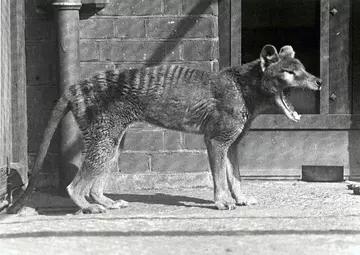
{"x":127,"y":34}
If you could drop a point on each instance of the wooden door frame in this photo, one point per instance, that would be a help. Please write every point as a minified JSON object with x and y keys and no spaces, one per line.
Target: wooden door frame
{"x":14,"y":159}
{"x":18,"y":90}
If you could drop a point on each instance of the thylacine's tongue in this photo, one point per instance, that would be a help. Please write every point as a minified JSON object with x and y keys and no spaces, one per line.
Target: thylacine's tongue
{"x":287,"y":108}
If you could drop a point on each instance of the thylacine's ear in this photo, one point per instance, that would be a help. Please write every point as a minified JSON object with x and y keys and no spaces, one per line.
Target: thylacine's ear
{"x":268,"y":55}
{"x":287,"y":51}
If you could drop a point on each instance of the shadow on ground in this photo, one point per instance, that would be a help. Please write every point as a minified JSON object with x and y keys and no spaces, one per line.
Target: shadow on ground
{"x":163,"y":199}
{"x":64,"y":205}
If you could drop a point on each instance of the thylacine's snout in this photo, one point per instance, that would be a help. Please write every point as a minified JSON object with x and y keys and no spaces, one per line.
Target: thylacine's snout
{"x":318,"y":82}
{"x":312,"y":82}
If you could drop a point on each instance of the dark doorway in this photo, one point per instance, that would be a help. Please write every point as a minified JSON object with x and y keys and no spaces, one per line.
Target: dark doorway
{"x":285,"y":22}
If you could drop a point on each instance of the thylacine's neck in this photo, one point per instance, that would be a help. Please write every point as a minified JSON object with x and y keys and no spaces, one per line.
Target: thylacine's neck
{"x":248,"y":80}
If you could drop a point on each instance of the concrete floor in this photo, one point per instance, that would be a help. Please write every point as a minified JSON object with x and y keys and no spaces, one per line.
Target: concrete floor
{"x":290,"y":218}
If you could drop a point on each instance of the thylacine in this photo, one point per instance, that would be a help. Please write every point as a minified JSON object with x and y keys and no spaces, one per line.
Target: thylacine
{"x":219,"y":105}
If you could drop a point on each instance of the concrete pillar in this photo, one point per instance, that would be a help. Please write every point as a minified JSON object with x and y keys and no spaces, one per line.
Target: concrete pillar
{"x":67,"y":21}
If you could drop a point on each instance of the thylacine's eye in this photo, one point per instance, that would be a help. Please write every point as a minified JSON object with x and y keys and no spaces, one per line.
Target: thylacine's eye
{"x":289,"y":75}
{"x":289,"y":71}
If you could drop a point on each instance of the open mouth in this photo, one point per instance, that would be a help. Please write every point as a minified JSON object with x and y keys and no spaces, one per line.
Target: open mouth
{"x":286,"y":107}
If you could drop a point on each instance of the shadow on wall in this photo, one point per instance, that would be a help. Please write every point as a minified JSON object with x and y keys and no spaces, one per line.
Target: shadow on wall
{"x":183,"y":26}
{"x":158,"y":51}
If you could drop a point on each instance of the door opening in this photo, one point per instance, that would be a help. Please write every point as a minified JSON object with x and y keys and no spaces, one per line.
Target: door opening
{"x":285,"y":22}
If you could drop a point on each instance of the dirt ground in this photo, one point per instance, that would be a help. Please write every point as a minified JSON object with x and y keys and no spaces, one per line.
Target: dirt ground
{"x":290,"y":218}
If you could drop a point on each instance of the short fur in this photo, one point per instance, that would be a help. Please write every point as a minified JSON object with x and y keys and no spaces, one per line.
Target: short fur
{"x":219,"y":105}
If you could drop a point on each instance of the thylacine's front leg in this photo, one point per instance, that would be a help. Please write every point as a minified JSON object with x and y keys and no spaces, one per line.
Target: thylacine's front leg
{"x":233,"y":175}
{"x":217,"y":159}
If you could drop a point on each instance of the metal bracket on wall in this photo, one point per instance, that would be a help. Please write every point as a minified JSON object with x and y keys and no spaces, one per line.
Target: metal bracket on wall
{"x":333,"y":96}
{"x":13,"y":183}
{"x":333,"y":11}
{"x":86,"y":5}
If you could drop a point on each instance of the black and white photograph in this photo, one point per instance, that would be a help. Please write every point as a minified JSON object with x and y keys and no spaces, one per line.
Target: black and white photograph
{"x":145,"y":127}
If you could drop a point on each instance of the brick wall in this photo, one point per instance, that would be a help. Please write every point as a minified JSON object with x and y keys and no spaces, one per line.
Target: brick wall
{"x":127,"y":34}
{"x":134,"y":33}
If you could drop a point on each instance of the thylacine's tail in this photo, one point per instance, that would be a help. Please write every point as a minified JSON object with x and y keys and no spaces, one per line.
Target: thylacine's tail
{"x":61,"y":108}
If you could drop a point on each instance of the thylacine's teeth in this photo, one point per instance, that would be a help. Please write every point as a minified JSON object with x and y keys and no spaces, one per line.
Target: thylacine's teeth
{"x":296,"y":115}
{"x":284,"y":101}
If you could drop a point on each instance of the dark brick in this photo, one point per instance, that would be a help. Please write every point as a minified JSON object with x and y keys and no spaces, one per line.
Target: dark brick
{"x":96,"y":28}
{"x":194,"y":142}
{"x":200,"y":50}
{"x":192,"y":27}
{"x":41,"y":97}
{"x":180,"y":162}
{"x":172,"y":51}
{"x":89,"y":51}
{"x":191,"y":7}
{"x":134,"y":162}
{"x":138,"y":51}
{"x":129,"y":28}
{"x":37,"y":121}
{"x":172,"y":140}
{"x":42,"y":73}
{"x":31,"y":10}
{"x":39,"y":29}
{"x":144,"y":140}
{"x":38,"y":52}
{"x":172,"y":7}
{"x":132,"y":7}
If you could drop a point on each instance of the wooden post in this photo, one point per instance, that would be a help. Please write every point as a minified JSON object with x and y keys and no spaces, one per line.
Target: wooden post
{"x":324,"y":55}
{"x":340,"y":57}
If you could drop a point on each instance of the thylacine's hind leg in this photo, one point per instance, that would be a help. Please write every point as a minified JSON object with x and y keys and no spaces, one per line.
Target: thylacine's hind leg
{"x":101,"y":144}
{"x":79,"y":189}
{"x":97,"y":188}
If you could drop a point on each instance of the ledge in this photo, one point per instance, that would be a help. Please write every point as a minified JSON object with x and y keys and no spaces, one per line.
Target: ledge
{"x":95,"y":5}
{"x":307,"y":122}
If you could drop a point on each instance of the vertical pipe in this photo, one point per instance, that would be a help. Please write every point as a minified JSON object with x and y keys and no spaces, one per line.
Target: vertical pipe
{"x":67,"y":20}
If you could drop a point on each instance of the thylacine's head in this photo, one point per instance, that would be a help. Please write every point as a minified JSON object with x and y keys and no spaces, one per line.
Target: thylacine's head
{"x":281,"y":71}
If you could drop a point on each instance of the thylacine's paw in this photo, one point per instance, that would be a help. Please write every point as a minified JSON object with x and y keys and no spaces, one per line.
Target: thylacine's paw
{"x":220,"y":205}
{"x":118,"y":204}
{"x":243,"y":200}
{"x":92,"y":209}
